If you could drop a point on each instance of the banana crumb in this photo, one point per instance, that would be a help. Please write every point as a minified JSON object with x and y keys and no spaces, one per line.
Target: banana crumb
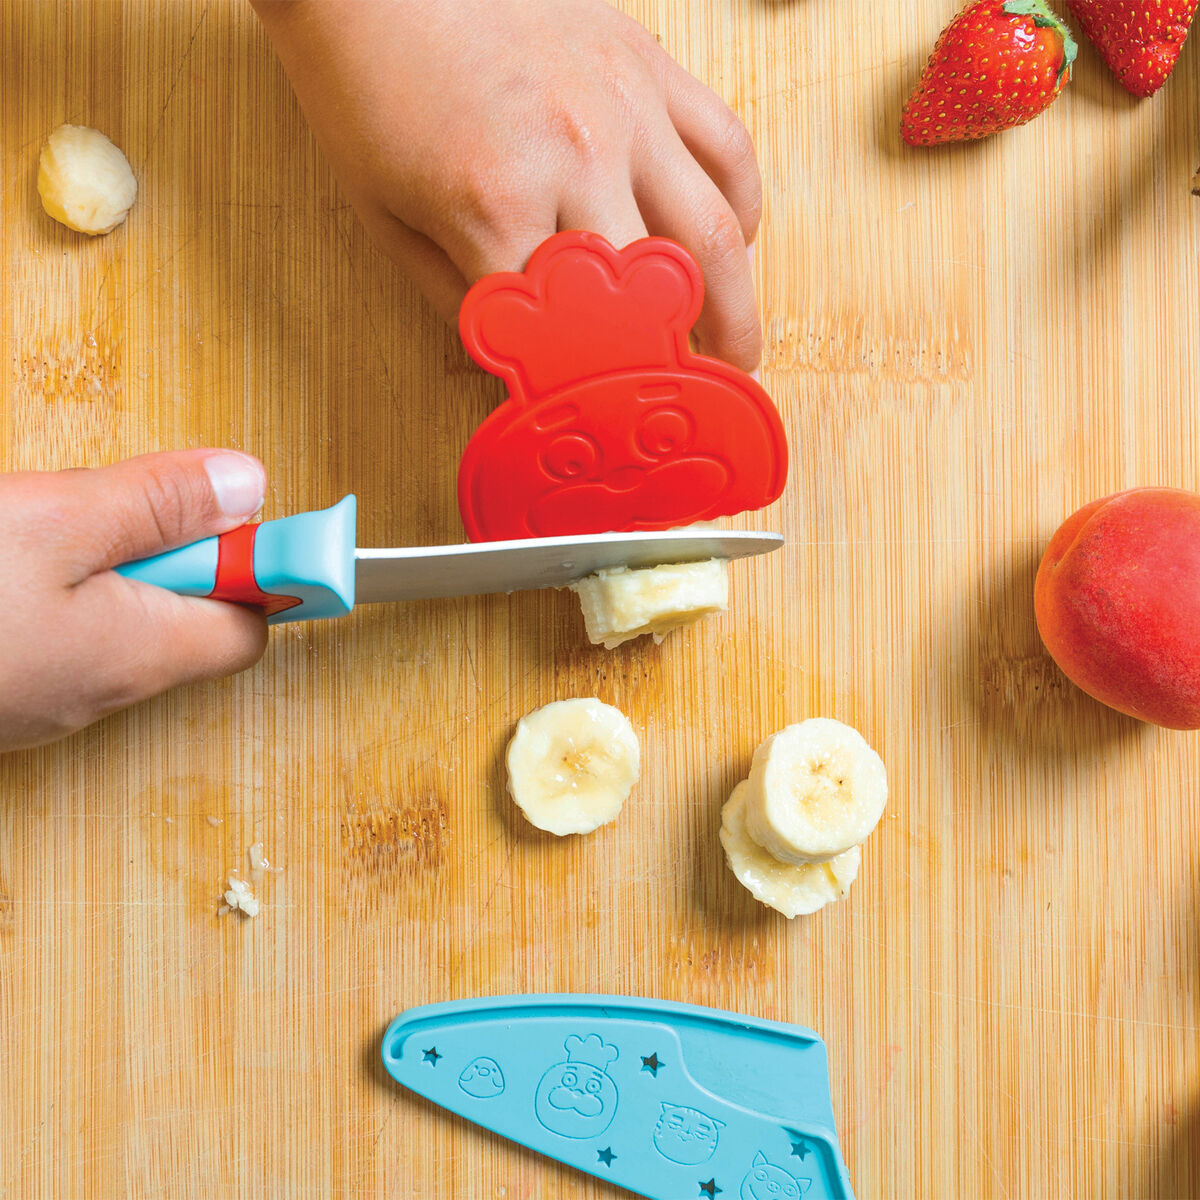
{"x":240,"y":897}
{"x":239,"y":894}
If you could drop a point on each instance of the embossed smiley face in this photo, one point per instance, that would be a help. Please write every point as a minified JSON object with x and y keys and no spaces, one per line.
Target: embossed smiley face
{"x":576,"y":1100}
{"x":636,"y":451}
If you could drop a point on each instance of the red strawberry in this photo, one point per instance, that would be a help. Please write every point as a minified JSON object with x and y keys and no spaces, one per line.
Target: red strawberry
{"x":1139,"y":39}
{"x":997,"y":64}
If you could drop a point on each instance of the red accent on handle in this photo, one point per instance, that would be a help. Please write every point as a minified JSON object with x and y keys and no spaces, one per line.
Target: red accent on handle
{"x":235,"y":580}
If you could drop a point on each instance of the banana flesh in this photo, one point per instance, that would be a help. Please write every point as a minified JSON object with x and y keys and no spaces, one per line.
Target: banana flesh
{"x":815,"y":790}
{"x":793,"y":831}
{"x":790,"y":889}
{"x":621,"y":604}
{"x":84,"y":180}
{"x":572,"y":764}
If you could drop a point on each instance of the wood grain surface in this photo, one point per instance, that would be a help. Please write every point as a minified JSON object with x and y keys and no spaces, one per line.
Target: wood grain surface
{"x":966,"y":345}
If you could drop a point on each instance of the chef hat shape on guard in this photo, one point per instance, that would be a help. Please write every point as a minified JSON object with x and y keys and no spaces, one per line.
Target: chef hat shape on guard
{"x":592,"y":1050}
{"x":611,"y":422}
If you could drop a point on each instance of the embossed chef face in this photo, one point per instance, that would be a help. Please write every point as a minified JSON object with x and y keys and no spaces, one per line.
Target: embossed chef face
{"x":637,"y":451}
{"x":482,"y":1078}
{"x":686,"y":1135}
{"x":768,"y":1182}
{"x":576,"y":1100}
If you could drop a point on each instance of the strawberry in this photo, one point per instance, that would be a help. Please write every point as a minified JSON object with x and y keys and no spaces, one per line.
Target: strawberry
{"x":1139,"y":39}
{"x":997,"y":64}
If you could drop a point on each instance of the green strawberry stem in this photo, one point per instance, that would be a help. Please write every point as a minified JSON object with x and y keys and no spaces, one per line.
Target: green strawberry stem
{"x":1045,"y":18}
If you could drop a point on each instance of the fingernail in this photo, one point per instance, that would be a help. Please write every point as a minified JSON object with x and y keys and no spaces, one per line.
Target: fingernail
{"x":238,"y":483}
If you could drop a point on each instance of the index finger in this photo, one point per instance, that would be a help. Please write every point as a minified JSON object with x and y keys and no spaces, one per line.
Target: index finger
{"x":680,"y":201}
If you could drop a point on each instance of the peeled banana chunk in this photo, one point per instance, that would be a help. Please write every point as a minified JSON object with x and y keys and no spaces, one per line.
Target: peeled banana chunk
{"x":572,"y":764}
{"x":786,"y":887}
{"x":621,"y":604}
{"x":815,"y":789}
{"x":84,"y":180}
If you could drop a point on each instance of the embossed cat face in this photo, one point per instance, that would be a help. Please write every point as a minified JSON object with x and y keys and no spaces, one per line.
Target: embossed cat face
{"x":686,"y":1135}
{"x":765,"y":1181}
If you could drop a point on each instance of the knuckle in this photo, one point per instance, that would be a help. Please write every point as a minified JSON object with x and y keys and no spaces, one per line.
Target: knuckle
{"x":579,"y":140}
{"x":735,"y":144}
{"x":164,"y":502}
{"x":639,"y":39}
{"x":464,"y":197}
{"x":481,"y":204}
{"x":719,"y":236}
{"x":744,"y":174}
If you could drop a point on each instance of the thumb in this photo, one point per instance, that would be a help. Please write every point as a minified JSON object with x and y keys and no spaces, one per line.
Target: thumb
{"x":155,"y":502}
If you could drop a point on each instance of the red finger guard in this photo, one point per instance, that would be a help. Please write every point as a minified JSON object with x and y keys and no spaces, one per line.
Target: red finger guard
{"x":611,"y":422}
{"x":235,"y":580}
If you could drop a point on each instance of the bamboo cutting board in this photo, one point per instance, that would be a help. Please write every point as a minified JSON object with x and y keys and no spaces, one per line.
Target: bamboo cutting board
{"x":966,"y":345}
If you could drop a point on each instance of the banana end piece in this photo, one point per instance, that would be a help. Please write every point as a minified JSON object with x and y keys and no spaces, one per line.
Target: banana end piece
{"x":621,"y":604}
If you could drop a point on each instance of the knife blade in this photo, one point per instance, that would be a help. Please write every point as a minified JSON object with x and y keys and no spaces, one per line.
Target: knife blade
{"x":480,"y":568}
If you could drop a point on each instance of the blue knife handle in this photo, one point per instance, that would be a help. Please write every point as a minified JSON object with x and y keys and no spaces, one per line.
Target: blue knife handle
{"x":297,"y":568}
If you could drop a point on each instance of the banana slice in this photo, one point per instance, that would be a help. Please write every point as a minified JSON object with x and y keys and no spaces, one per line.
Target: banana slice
{"x":790,"y":889}
{"x":84,"y":180}
{"x":572,"y":764}
{"x":621,"y":604}
{"x":815,"y":790}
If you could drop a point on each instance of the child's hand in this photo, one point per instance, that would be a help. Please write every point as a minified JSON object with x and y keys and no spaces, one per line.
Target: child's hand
{"x":465,"y":132}
{"x":78,"y":640}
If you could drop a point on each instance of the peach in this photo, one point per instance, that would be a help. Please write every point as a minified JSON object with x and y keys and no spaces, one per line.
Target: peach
{"x":1117,"y":600}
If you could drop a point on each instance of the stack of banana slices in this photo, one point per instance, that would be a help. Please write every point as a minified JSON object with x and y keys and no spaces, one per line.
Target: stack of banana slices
{"x":793,"y":831}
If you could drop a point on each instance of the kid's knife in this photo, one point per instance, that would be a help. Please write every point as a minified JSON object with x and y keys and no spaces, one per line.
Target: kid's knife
{"x":671,"y":1101}
{"x":308,"y":566}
